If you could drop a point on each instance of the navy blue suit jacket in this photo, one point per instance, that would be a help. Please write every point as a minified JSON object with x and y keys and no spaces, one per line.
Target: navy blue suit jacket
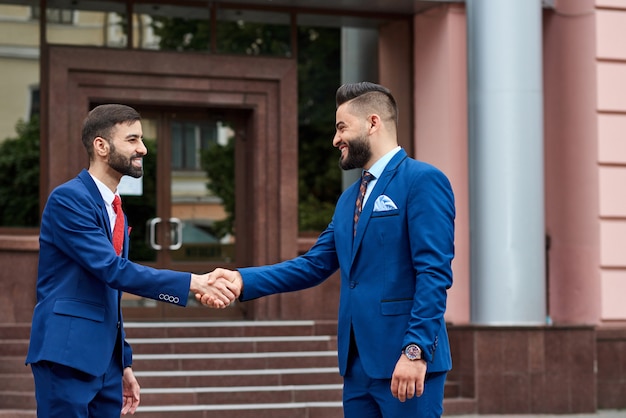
{"x":394,"y":273}
{"x":77,"y":320}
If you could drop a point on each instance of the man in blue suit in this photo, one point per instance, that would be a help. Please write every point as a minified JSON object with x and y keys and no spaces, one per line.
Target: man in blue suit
{"x":394,"y":247}
{"x":80,"y":359}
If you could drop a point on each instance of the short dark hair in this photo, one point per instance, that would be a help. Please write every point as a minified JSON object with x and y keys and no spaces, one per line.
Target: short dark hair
{"x":101,"y":120}
{"x":366,"y":97}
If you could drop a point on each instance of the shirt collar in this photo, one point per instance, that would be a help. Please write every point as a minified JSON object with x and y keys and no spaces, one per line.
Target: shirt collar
{"x":105,"y":192}
{"x":379,"y":166}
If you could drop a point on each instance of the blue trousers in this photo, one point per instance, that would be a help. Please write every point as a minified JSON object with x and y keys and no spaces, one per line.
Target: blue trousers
{"x":364,"y":397}
{"x":64,"y":392}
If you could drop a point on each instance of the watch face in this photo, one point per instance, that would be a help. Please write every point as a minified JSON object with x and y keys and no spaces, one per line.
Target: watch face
{"x":413,"y":352}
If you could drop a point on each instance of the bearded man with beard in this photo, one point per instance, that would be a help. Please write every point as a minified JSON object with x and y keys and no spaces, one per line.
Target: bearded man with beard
{"x":78,"y":352}
{"x":392,"y":238}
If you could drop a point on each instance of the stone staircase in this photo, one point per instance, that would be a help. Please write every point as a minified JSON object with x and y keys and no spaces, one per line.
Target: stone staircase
{"x":237,"y":369}
{"x":230,"y":369}
{"x":17,"y":397}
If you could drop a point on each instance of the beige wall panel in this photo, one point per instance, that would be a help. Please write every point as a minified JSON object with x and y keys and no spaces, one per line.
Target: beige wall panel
{"x":612,"y":86}
{"x":612,"y":198}
{"x":613,"y":291}
{"x":611,"y":33}
{"x":613,"y":243}
{"x":610,"y":3}
{"x":612,"y":139}
{"x":19,"y":33}
{"x":15,"y":12}
{"x":23,"y":74}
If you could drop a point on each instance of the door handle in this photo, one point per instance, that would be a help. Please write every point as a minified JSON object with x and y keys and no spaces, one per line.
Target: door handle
{"x":179,"y":233}
{"x":153,"y":222}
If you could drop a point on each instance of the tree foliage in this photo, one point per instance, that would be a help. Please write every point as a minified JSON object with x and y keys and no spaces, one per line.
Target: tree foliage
{"x":232,"y":37}
{"x":319,"y":177}
{"x":19,"y":176}
{"x":217,"y":161}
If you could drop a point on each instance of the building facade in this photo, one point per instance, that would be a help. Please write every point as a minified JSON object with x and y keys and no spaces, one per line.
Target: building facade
{"x":521,"y":104}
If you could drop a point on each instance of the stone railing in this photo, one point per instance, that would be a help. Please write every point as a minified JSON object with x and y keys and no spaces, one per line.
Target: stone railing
{"x":18,"y":275}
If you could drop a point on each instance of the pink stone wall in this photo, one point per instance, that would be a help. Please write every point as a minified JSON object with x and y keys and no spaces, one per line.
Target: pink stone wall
{"x":441,"y":131}
{"x":571,"y":169}
{"x":610,"y":16}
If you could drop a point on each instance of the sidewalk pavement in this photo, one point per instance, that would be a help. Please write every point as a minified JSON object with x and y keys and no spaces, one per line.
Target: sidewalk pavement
{"x":599,"y":414}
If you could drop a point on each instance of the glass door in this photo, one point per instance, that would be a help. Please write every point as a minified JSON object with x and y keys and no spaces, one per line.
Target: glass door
{"x":182,"y":211}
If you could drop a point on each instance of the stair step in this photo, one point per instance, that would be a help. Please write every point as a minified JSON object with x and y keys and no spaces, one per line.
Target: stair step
{"x":263,"y":410}
{"x":242,"y":394}
{"x":259,"y":377}
{"x":460,"y":406}
{"x":227,"y":329}
{"x":14,"y":365}
{"x":15,"y":331}
{"x":18,"y":413}
{"x":17,"y":382}
{"x":18,"y":400}
{"x":10,"y":347}
{"x":231,"y":344}
{"x":266,"y":360}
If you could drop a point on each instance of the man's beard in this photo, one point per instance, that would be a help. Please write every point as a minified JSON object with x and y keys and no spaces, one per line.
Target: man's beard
{"x":123,"y":165}
{"x":359,"y":153}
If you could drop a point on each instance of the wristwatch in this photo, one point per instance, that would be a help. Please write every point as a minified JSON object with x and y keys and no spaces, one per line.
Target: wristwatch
{"x":413,"y":352}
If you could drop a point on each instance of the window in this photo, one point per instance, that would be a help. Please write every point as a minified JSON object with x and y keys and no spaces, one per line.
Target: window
{"x":188,"y":140}
{"x":62,"y":16}
{"x":35,"y":103}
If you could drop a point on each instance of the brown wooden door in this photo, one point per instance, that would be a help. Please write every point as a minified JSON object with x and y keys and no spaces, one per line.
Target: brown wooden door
{"x":182,"y":209}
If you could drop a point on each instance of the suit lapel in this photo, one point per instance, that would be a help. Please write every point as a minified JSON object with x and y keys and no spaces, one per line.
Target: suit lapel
{"x":344,"y":213}
{"x":379,"y":189}
{"x":93,"y":191}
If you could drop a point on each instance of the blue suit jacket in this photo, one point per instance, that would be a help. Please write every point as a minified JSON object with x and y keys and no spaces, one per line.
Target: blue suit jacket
{"x":394,"y":273}
{"x":77,"y":319}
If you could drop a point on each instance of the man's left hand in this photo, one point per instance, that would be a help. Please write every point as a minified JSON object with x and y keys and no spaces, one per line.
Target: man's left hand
{"x":408,"y":378}
{"x":130,"y":392}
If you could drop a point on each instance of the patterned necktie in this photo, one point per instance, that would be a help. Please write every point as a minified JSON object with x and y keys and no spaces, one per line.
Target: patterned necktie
{"x":118,"y":229}
{"x":365,"y":178}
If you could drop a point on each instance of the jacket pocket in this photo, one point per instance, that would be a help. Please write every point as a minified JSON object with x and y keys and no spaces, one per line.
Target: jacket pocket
{"x":385,"y":213}
{"x":80,"y":309}
{"x":396,"y":307}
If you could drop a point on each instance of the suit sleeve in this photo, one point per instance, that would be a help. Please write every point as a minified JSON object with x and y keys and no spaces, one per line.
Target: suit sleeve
{"x":431,"y":238}
{"x":299,"y":273}
{"x":79,"y":232}
{"x":128,"y":355}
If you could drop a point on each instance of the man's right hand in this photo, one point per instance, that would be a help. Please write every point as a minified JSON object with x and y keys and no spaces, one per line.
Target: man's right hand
{"x":232,"y":282}
{"x":218,"y":293}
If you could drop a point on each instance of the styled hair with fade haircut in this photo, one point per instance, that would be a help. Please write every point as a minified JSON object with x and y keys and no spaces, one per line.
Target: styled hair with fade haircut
{"x":101,"y":120}
{"x":367,"y":98}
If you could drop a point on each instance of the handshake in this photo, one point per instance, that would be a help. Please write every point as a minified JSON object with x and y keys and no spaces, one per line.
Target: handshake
{"x":217,"y":289}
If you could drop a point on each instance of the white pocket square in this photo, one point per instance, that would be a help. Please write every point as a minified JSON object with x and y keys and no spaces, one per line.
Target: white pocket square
{"x":384,"y":203}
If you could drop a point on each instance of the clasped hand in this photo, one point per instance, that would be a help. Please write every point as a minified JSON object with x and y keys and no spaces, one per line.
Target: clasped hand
{"x":217,"y":289}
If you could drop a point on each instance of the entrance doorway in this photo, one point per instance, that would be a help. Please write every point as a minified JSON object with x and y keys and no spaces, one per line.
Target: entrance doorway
{"x":183,"y":210}
{"x":189,"y":103}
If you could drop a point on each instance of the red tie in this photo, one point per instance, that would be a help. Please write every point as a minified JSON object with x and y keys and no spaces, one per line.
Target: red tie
{"x":118,"y":229}
{"x":365,"y":178}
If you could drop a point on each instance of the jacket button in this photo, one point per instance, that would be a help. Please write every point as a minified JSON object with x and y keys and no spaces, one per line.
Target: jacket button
{"x":352,"y":284}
